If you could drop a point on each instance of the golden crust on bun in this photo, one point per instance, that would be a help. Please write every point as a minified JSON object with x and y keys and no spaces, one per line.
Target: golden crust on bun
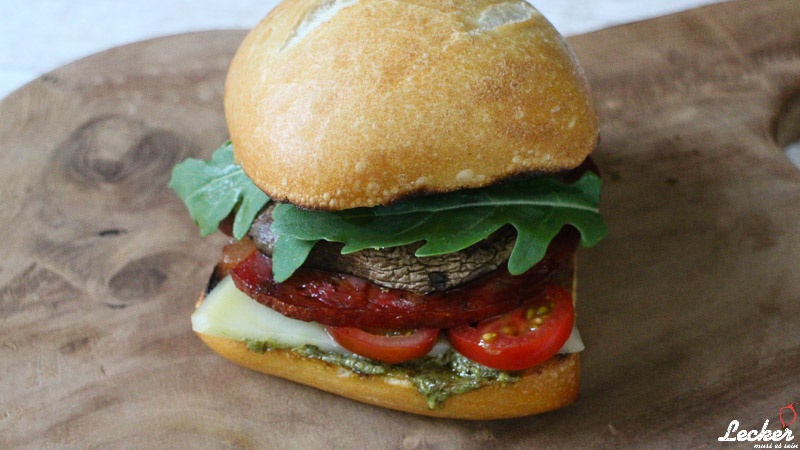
{"x":347,"y":103}
{"x":339,"y":104}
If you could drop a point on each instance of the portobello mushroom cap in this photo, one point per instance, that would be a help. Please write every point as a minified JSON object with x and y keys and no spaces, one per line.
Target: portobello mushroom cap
{"x":398,"y":267}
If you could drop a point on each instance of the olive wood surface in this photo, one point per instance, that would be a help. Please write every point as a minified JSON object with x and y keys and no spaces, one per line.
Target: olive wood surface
{"x":689,"y":308}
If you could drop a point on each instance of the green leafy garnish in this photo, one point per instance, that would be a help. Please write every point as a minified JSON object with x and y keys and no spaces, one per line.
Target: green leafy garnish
{"x":537,"y":207}
{"x":212,"y":190}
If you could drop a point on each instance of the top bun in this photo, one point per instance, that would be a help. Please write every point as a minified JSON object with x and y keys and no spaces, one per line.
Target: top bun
{"x":336,"y":104}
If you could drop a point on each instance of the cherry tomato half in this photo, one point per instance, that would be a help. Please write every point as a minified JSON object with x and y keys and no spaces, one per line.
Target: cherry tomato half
{"x":521,"y":338}
{"x":388,"y":347}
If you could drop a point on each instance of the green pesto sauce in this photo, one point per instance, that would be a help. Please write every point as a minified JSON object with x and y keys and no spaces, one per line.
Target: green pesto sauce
{"x":436,"y":378}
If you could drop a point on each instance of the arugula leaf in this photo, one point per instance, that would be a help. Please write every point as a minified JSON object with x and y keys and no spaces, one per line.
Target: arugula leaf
{"x":212,"y":190}
{"x":537,"y":207}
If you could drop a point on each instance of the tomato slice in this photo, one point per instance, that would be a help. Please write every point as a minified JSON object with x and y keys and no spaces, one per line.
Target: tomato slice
{"x":389,"y":347}
{"x":522,"y":338}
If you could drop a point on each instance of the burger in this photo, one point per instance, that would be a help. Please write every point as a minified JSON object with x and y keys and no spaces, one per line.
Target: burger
{"x":406,"y":185}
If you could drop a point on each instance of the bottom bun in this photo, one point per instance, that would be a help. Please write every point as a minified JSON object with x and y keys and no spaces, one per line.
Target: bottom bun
{"x":548,"y":386}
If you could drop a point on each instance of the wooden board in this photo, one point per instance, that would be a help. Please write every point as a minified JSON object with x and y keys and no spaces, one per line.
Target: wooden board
{"x":689,"y":309}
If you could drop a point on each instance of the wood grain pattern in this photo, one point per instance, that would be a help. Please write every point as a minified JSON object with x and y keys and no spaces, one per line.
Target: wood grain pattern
{"x":689,"y":308}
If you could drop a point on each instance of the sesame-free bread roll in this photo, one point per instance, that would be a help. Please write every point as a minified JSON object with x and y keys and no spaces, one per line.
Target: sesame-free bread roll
{"x":345,"y":103}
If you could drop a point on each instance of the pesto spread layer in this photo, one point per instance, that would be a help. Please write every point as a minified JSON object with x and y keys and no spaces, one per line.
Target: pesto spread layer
{"x":437,"y":378}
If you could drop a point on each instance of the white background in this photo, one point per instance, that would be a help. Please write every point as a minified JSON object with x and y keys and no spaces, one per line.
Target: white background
{"x":37,"y":36}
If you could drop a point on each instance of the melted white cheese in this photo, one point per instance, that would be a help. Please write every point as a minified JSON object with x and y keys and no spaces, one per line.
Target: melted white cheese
{"x":228,"y":312}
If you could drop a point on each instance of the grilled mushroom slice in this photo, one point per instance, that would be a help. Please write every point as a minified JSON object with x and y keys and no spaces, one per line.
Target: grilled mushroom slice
{"x":398,"y":267}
